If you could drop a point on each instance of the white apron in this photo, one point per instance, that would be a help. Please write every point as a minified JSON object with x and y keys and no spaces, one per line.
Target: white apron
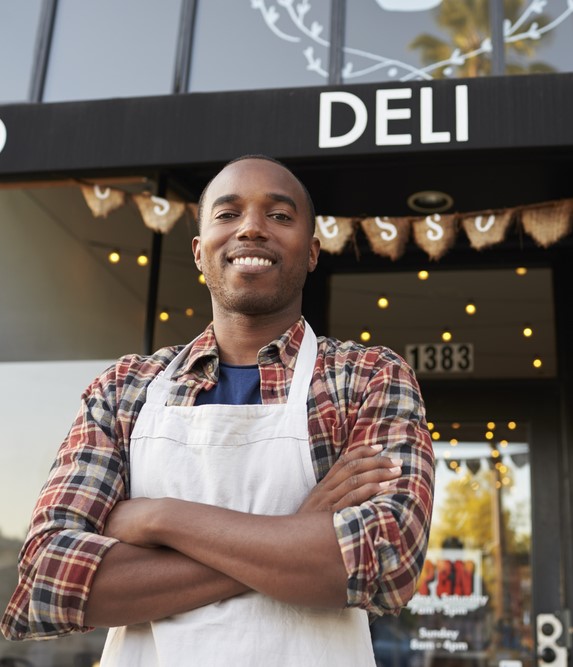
{"x":250,"y":458}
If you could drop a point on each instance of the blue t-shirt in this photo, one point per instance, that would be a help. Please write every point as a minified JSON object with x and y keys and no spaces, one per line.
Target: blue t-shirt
{"x":237,"y":385}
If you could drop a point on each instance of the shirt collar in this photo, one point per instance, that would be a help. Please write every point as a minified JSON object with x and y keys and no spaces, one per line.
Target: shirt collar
{"x":283,"y":349}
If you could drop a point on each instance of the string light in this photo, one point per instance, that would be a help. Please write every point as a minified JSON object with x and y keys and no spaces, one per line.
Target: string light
{"x":114,"y":256}
{"x":527,"y":331}
{"x":453,"y":442}
{"x":365,"y":335}
{"x":537,"y":362}
{"x":495,"y":453}
{"x":142,"y":259}
{"x":423,"y":275}
{"x":201,"y":279}
{"x":521,"y":270}
{"x":446,"y":335}
{"x":490,"y":425}
{"x":511,"y":426}
{"x":456,"y":425}
{"x":435,"y":435}
{"x":489,"y":435}
{"x":164,"y":315}
{"x":383,"y":302}
{"x":430,"y":426}
{"x":503,"y":443}
{"x":471,"y":308}
{"x":189,"y":312}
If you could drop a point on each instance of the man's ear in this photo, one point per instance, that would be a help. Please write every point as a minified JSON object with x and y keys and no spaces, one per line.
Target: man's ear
{"x":196,"y":246}
{"x":313,"y":254}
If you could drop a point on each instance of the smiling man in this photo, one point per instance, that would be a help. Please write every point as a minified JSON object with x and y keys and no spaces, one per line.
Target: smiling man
{"x":250,"y":497}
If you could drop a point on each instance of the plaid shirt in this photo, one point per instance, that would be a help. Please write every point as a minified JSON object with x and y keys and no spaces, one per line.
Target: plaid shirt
{"x":359,"y":395}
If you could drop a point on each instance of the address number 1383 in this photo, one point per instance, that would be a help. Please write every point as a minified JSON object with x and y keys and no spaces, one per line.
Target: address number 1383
{"x":441,"y":357}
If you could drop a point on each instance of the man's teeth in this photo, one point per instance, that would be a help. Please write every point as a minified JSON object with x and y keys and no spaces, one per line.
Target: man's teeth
{"x":252,"y":261}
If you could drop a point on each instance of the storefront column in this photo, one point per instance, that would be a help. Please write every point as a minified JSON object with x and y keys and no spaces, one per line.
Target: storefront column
{"x":562,"y":281}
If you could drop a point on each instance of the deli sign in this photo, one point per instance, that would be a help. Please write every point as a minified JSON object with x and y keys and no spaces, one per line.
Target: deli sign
{"x":392,"y":105}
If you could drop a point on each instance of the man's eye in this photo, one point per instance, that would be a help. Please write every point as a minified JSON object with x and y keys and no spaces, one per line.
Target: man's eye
{"x":283,"y":217}
{"x":225,"y":215}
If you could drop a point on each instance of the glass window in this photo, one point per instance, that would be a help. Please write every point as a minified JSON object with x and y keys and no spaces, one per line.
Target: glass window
{"x":473,"y":604}
{"x":18,"y":28}
{"x":410,"y":40}
{"x":538,"y":36}
{"x":29,"y":445}
{"x":250,"y":44}
{"x":112,"y":49}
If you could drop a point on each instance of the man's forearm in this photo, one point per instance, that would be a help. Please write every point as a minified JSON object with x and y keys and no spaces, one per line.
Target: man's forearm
{"x":135,"y":584}
{"x":295,"y":559}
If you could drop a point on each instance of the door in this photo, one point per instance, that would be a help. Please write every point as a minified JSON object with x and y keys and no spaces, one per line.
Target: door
{"x":492,"y":581}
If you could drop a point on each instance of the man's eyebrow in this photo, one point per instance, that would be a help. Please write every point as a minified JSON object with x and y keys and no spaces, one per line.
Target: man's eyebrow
{"x":277,"y":196}
{"x":224,"y":199}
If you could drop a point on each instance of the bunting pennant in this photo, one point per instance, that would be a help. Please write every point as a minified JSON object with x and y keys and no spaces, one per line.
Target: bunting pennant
{"x":333,"y":233}
{"x":387,"y":236}
{"x":546,"y":223}
{"x":549,"y":223}
{"x":102,"y":200}
{"x":435,"y":234}
{"x":159,"y":214}
{"x":487,"y":228}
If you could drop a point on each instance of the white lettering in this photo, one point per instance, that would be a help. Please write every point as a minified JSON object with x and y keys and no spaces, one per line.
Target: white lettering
{"x":389,"y":231}
{"x":488,"y":225}
{"x":435,"y":231}
{"x":427,"y":133}
{"x":325,"y":138}
{"x":417,"y":645}
{"x":162,"y":206}
{"x":3,"y":135}
{"x":462,"y":122}
{"x":442,"y":633}
{"x":384,"y":114}
{"x":102,"y":193}
{"x":327,"y":226}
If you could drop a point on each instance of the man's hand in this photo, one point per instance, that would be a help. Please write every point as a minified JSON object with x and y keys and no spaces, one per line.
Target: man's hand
{"x":356,"y":476}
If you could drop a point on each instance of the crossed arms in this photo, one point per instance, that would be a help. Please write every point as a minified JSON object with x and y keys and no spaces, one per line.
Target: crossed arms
{"x":200,"y":553}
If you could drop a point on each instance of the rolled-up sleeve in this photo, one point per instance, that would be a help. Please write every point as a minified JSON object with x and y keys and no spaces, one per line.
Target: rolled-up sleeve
{"x":384,"y":541}
{"x":65,"y":544}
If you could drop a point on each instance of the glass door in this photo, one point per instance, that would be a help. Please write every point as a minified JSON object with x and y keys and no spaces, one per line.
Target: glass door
{"x":494,"y":557}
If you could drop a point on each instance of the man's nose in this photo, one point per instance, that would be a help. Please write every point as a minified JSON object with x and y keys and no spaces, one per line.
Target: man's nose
{"x":253,"y":226}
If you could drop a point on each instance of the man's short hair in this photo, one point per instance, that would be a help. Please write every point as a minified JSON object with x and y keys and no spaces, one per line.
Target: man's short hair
{"x":257,"y":156}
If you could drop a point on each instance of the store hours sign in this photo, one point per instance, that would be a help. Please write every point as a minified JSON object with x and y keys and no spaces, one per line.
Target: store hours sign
{"x":440,"y":357}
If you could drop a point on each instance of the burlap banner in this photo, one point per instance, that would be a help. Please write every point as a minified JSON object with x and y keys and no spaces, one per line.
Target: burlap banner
{"x":159,"y":214}
{"x":387,"y":236}
{"x":102,"y":200}
{"x":333,"y":233}
{"x":435,"y":234}
{"x":487,"y":228}
{"x":548,"y":223}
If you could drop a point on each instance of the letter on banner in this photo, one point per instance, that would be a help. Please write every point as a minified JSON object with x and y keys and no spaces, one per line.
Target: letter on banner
{"x":387,"y":236}
{"x":158,"y":213}
{"x":435,"y":234}
{"x":3,"y":135}
{"x":102,"y":201}
{"x":333,"y":233}
{"x":487,"y":228}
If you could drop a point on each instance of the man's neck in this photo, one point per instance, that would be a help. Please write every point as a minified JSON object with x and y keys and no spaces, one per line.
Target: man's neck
{"x":240,"y":337}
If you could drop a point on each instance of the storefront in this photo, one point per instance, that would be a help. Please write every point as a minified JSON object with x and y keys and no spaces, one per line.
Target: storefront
{"x":410,"y":168}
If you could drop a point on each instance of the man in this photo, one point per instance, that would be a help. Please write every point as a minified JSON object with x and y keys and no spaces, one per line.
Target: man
{"x":183,"y":509}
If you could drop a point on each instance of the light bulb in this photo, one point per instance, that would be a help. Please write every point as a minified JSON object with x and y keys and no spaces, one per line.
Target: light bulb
{"x":521,"y":270}
{"x":383,"y":302}
{"x":189,"y":312}
{"x":114,"y":256}
{"x":511,"y":426}
{"x":537,"y":362}
{"x":365,"y":335}
{"x":527,"y":331}
{"x":490,"y":425}
{"x":201,"y":279}
{"x":423,"y":275}
{"x":164,"y":316}
{"x":471,"y":308}
{"x":142,"y":259}
{"x":446,"y":335}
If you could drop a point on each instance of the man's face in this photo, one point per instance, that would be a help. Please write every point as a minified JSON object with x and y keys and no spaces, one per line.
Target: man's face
{"x":255,"y":248}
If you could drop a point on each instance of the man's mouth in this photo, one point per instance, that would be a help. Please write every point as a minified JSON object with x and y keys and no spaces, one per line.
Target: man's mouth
{"x":251,"y":261}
